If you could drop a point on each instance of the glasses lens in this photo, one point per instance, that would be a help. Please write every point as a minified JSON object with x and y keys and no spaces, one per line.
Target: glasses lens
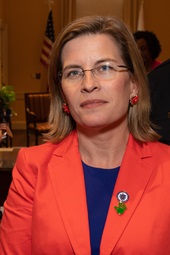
{"x":105,"y":71}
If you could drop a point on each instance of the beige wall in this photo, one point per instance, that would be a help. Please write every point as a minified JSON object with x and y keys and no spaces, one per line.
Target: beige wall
{"x":102,"y":7}
{"x":26,"y":25}
{"x":1,"y":9}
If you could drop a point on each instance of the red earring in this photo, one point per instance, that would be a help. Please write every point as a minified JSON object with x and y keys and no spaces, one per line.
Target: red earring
{"x":66,"y":108}
{"x":134,"y":100}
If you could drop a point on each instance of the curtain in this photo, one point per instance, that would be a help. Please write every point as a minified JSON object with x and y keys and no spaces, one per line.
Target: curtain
{"x":131,"y":10}
{"x":68,"y":11}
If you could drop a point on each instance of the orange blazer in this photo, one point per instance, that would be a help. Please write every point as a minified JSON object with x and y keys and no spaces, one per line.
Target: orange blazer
{"x":46,"y":210}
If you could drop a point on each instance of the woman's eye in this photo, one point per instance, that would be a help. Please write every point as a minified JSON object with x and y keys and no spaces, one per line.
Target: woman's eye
{"x":106,"y":68}
{"x":72,"y":73}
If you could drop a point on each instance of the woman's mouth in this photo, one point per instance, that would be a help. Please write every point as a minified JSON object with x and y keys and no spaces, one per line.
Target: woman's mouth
{"x":92,"y":103}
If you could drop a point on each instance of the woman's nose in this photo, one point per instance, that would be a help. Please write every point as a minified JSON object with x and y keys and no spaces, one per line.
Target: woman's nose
{"x":89,"y":82}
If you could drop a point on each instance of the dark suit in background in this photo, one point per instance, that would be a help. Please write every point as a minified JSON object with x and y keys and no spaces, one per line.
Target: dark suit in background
{"x":159,"y":82}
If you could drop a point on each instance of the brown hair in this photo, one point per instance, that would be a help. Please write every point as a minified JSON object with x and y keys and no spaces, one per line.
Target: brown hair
{"x":138,"y":120}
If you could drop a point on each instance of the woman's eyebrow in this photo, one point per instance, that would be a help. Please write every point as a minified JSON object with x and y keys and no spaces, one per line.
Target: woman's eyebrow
{"x":105,"y":60}
{"x":96,"y":63}
{"x":71,"y":66}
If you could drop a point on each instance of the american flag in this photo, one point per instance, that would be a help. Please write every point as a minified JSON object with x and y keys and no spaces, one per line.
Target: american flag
{"x":48,"y":41}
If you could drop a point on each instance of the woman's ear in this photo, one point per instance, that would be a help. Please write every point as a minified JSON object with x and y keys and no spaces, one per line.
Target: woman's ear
{"x":62,"y":95}
{"x":133,"y":86}
{"x":64,"y":98}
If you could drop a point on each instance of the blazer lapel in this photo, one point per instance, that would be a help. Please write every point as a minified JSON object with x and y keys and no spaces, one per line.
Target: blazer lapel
{"x":133,"y":177}
{"x":68,"y":184}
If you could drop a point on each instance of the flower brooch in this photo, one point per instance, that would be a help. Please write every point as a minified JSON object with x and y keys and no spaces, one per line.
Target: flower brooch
{"x":122,"y":197}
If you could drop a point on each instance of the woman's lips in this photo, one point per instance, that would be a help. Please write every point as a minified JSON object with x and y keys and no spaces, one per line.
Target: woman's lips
{"x":92,"y":103}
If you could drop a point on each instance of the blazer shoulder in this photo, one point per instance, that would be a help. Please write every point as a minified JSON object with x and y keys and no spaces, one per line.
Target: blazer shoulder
{"x":44,"y":152}
{"x":160,"y":151}
{"x":155,"y":149}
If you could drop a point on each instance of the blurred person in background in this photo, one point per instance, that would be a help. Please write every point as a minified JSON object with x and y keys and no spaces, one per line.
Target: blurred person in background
{"x":159,"y":84}
{"x":4,"y":131}
{"x":149,"y":47}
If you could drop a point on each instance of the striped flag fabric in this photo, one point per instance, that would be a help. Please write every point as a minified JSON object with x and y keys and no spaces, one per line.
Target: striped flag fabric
{"x":48,"y":41}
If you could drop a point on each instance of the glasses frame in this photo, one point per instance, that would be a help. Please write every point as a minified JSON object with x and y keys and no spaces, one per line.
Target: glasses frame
{"x":117,"y":68}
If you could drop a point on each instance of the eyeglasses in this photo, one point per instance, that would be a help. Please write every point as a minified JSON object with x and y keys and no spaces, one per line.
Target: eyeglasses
{"x":103,"y":71}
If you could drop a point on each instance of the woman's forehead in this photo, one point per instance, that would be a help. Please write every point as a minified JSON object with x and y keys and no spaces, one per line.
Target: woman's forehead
{"x":91,"y":46}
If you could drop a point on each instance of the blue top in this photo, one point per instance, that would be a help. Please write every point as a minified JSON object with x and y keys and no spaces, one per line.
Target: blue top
{"x":99,"y":184}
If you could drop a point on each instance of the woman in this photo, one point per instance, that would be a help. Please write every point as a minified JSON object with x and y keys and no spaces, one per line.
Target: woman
{"x":100,"y":184}
{"x":149,"y":47}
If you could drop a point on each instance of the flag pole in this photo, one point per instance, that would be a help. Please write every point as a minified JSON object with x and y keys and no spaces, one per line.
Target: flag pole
{"x":50,"y":3}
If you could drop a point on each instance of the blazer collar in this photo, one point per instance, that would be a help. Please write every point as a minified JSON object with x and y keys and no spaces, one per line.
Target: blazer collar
{"x":68,"y":184}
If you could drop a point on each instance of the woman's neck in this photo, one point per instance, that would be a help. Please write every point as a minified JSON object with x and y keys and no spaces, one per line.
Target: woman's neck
{"x":102,"y":149}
